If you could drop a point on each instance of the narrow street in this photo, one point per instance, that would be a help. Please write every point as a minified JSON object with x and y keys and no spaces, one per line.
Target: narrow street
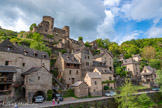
{"x":49,"y":103}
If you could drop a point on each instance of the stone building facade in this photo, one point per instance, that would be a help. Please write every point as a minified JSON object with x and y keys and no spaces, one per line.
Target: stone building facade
{"x":85,"y":57}
{"x":132,"y":66}
{"x":93,"y":80}
{"x":80,"y":89}
{"x":37,"y":81}
{"x":148,"y":74}
{"x":106,"y":58}
{"x":69,"y":68}
{"x":106,"y":75}
{"x":20,"y":59}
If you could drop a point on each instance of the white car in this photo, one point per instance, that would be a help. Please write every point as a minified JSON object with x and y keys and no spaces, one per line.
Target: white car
{"x":39,"y":99}
{"x":112,"y":93}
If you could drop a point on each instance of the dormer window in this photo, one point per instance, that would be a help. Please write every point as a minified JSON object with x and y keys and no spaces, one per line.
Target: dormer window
{"x":8,"y":48}
{"x":44,"y":56}
{"x":25,"y":52}
{"x":35,"y":54}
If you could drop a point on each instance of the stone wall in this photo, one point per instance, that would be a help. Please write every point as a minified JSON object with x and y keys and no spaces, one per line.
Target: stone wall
{"x":102,"y":103}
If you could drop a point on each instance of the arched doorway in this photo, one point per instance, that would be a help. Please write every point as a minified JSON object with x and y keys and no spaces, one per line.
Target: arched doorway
{"x":39,"y":93}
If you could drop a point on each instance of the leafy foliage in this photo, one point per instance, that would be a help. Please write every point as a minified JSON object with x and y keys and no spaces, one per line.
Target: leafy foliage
{"x":144,"y":101}
{"x":49,"y":95}
{"x":33,"y":25}
{"x":148,"y":53}
{"x":80,"y":38}
{"x":87,"y":44}
{"x":159,"y":79}
{"x":127,"y":99}
{"x":106,"y":87}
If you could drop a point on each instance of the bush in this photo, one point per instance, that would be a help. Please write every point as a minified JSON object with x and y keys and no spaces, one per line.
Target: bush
{"x":80,"y":38}
{"x":106,"y":87}
{"x":49,"y":94}
{"x":69,"y":93}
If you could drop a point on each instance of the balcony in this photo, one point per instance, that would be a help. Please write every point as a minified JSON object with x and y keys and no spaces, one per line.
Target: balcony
{"x":5,"y":80}
{"x":72,"y":66}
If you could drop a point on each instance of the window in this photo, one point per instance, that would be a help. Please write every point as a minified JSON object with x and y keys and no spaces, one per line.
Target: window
{"x":69,"y":72}
{"x":94,"y":90}
{"x":67,"y":64}
{"x":23,"y":64}
{"x":110,"y":78}
{"x":38,"y":77}
{"x":85,"y":57}
{"x":145,"y":71}
{"x":25,"y":52}
{"x":88,"y":57}
{"x":95,"y":82}
{"x":44,"y":56}
{"x":8,"y":48}
{"x":87,"y":63}
{"x":110,"y":68}
{"x":6,"y":63}
{"x":35,"y":54}
{"x":77,"y":72}
{"x":69,"y":78}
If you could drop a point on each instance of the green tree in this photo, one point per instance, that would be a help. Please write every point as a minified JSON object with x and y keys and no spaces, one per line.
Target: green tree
{"x":144,"y":101}
{"x":159,"y":78}
{"x":126,"y":98}
{"x":80,"y":38}
{"x":120,"y":70}
{"x":87,"y":44}
{"x":148,"y":53}
{"x":33,"y":25}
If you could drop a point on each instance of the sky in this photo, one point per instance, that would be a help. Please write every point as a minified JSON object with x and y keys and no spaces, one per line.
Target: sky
{"x":116,"y":20}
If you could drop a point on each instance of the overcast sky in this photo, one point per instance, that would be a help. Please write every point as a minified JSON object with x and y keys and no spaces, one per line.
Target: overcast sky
{"x":117,"y":20}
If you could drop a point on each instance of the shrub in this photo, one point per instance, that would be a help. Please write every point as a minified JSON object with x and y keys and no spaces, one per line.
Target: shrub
{"x":106,"y":87}
{"x":49,"y":94}
{"x":80,"y":38}
{"x":69,"y":93}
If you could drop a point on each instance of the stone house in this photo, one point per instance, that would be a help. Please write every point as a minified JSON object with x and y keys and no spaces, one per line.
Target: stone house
{"x":148,"y":74}
{"x":37,"y":81}
{"x":106,"y":58}
{"x":94,"y":45}
{"x":69,"y":68}
{"x":93,"y":80}
{"x":80,"y":89}
{"x":106,"y":75}
{"x":20,"y":59}
{"x":85,"y":58}
{"x":136,"y":57}
{"x":132,"y":66}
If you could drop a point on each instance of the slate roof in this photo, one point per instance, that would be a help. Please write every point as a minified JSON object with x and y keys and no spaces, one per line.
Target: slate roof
{"x":7,"y":69}
{"x":69,"y":58}
{"x":150,"y":68}
{"x":93,"y":75}
{"x":31,"y":70}
{"x":102,"y":54}
{"x":104,"y":70}
{"x":21,"y":50}
{"x":129,"y":61}
{"x":81,"y":49}
{"x":98,"y":64}
{"x":77,"y":83}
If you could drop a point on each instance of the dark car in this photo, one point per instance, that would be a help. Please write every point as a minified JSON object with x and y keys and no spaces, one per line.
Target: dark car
{"x":58,"y":96}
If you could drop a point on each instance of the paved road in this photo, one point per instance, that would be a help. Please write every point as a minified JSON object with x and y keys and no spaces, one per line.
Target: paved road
{"x":49,"y":103}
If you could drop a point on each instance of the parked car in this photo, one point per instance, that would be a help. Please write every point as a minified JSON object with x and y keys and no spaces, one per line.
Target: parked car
{"x":112,"y":93}
{"x":58,"y":96}
{"x":39,"y":99}
{"x":155,"y":89}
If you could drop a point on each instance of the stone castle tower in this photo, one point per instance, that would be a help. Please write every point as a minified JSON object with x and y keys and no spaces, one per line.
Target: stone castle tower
{"x":47,"y":27}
